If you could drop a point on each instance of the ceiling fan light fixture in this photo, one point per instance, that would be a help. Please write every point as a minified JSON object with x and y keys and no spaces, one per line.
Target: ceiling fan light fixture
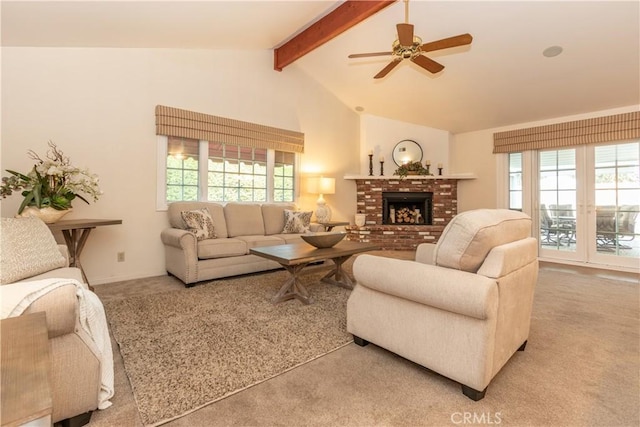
{"x":407,"y":51}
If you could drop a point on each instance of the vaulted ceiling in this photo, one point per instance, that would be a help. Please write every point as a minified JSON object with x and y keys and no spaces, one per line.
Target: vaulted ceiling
{"x":502,"y":78}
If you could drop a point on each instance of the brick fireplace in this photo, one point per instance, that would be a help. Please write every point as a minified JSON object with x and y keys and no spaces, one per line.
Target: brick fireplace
{"x":442,"y":200}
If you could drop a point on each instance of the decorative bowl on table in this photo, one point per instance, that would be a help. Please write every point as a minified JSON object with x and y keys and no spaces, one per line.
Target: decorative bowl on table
{"x":323,"y":239}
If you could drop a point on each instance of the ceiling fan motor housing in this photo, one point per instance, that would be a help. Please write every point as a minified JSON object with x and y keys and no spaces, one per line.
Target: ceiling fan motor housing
{"x":406,"y":52}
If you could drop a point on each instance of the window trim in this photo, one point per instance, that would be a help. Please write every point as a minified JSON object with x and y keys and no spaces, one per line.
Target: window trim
{"x":162,"y":143}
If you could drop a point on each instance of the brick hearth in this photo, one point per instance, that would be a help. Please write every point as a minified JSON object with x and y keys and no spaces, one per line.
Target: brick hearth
{"x":403,"y":237}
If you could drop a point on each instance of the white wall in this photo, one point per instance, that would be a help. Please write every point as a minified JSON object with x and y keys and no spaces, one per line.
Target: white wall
{"x":472,"y":152}
{"x":381,"y":135}
{"x":97,"y":105}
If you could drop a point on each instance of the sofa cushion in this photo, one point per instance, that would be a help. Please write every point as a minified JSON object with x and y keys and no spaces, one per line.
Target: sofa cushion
{"x":244,"y":219}
{"x":28,"y":248}
{"x":215,"y":210}
{"x":221,"y":248}
{"x":468,"y":238}
{"x":273,"y":217}
{"x":259,"y":241}
{"x":296,"y":222}
{"x":199,"y":222}
{"x":290,"y":238}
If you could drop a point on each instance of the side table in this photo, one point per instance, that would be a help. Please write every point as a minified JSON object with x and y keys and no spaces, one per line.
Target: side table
{"x":25,"y":364}
{"x":328,"y":226}
{"x":76,"y":232}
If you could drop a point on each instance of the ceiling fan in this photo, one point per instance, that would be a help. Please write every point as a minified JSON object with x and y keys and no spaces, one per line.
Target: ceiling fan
{"x":410,"y":46}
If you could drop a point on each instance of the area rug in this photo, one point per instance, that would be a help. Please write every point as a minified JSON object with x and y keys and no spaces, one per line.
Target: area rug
{"x":185,"y":349}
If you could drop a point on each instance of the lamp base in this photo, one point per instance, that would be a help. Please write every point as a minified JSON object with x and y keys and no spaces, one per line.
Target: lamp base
{"x":323,"y":213}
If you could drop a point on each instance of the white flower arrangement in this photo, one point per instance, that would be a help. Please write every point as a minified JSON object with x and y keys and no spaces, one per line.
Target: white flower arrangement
{"x":53,"y":182}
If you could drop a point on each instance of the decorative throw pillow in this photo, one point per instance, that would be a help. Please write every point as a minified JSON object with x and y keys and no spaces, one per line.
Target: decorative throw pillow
{"x":199,"y":222}
{"x":28,"y":249}
{"x":296,"y":222}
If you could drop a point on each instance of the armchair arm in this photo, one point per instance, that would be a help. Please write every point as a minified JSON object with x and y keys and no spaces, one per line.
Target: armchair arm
{"x":424,"y":253}
{"x":60,"y":306}
{"x":447,"y":289}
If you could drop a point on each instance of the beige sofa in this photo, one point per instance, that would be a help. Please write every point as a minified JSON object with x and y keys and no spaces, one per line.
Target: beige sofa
{"x":29,"y":255}
{"x":462,"y":308}
{"x":238,"y":228}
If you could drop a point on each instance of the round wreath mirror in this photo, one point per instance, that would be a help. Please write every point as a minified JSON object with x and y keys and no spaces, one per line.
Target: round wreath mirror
{"x":407,"y":151}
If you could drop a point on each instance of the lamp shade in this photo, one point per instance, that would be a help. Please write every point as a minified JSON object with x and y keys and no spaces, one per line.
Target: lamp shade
{"x":321,"y":185}
{"x":327,"y":186}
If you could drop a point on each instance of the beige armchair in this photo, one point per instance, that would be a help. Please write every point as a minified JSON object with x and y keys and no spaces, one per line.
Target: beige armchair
{"x":462,"y":308}
{"x":35,"y":276}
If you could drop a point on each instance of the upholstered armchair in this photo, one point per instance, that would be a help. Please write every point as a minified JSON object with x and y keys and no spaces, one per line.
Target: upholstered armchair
{"x":35,"y":276}
{"x":462,"y":308}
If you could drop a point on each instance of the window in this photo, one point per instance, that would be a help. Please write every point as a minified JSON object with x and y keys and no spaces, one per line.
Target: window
{"x":231,"y":172}
{"x":283,"y":176}
{"x":236,"y":174}
{"x":182,"y":170}
{"x":515,"y":181}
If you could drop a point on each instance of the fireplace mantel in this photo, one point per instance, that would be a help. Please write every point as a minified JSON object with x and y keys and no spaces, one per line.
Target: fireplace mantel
{"x":412,"y":177}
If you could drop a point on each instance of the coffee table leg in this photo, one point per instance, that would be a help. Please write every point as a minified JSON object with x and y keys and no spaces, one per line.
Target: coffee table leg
{"x":293,"y":287}
{"x":338,"y":276}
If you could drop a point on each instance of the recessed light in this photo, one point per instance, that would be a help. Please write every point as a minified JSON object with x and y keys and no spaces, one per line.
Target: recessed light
{"x":552,"y":51}
{"x":359,"y":109}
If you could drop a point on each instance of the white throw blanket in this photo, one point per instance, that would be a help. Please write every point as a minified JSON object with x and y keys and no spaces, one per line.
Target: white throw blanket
{"x":17,"y":297}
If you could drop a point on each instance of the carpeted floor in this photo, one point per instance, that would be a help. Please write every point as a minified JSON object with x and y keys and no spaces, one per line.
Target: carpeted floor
{"x":186,"y":348}
{"x":581,"y":368}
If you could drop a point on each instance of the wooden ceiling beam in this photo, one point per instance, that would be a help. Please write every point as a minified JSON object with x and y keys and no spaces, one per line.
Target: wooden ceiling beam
{"x":345,"y":16}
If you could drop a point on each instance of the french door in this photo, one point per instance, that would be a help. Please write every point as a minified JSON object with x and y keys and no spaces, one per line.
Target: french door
{"x":587,"y":203}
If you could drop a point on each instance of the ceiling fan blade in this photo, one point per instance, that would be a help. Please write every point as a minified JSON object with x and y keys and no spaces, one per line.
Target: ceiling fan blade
{"x":366,"y":55}
{"x":428,"y":64}
{"x":405,"y":34}
{"x":454,"y":41}
{"x":386,"y":69}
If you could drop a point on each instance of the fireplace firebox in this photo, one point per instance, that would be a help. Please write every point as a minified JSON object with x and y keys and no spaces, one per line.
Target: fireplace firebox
{"x":407,"y":208}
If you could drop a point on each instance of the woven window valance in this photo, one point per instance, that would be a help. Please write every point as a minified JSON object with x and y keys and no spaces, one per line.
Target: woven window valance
{"x":619,"y":127}
{"x":188,"y":124}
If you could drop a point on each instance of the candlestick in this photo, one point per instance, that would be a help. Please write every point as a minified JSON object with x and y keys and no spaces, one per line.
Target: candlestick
{"x":440,"y":171}
{"x":428,"y":163}
{"x":381,"y":166}
{"x":428,"y":172}
{"x":371,"y":163}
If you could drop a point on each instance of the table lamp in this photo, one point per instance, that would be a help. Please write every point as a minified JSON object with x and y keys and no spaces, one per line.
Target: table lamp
{"x":322,"y":186}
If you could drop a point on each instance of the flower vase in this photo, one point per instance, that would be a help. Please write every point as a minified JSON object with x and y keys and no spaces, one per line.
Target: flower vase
{"x":47,"y":214}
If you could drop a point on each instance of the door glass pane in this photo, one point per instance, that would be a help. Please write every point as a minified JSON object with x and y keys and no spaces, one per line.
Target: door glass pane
{"x":557,"y":183}
{"x":515,"y":181}
{"x":617,"y":196}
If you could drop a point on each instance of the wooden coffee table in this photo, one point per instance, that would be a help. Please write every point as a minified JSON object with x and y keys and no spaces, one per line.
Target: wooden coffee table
{"x":296,"y":257}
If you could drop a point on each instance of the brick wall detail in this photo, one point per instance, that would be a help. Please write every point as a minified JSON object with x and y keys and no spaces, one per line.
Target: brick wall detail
{"x":402,"y":237}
